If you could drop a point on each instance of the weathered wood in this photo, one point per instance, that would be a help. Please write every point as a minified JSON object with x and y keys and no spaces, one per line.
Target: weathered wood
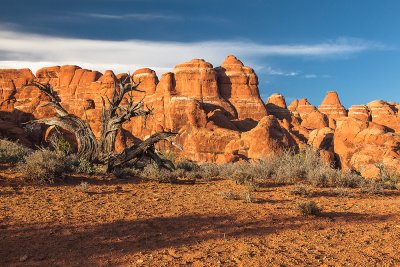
{"x":146,"y":148}
{"x":112,"y":119}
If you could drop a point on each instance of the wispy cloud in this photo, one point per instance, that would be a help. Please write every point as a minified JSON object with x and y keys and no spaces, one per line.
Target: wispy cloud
{"x":31,"y":50}
{"x":271,"y":71}
{"x":310,"y":76}
{"x":130,"y":16}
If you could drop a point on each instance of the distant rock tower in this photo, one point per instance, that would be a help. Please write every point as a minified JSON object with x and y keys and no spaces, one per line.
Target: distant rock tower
{"x":332,"y":107}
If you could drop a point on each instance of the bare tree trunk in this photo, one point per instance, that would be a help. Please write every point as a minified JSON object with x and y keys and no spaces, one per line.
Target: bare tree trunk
{"x":146,"y":148}
{"x":113,"y":117}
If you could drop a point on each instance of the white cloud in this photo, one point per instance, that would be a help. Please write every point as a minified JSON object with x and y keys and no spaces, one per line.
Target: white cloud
{"x":310,"y":76}
{"x":271,"y":71}
{"x":133,"y":16}
{"x":18,"y":50}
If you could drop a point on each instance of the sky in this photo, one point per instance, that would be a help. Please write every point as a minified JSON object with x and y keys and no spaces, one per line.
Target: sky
{"x":299,"y":48}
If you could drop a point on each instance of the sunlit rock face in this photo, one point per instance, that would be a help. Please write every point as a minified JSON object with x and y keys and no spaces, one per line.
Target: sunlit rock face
{"x":332,"y":107}
{"x":216,"y":111}
{"x":239,"y":85}
{"x":360,"y":112}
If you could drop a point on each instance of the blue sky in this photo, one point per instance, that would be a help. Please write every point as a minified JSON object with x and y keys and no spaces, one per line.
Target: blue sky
{"x":298,"y":48}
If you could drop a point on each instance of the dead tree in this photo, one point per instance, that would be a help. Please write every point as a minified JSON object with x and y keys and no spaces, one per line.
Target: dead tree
{"x":114,"y":115}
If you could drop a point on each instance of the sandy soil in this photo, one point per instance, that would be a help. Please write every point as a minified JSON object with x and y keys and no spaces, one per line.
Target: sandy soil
{"x":136,"y":223}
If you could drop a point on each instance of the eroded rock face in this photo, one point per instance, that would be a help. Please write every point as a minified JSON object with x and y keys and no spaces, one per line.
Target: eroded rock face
{"x":267,"y":138}
{"x":385,"y":113}
{"x":362,"y":145}
{"x":360,"y":112}
{"x":217,"y":111}
{"x":276,"y":105}
{"x":239,"y":85}
{"x":314,"y":120}
{"x":301,"y":107}
{"x":332,"y":107}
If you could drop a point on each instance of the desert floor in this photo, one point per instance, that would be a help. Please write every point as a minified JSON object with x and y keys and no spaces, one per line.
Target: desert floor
{"x":138,"y":223}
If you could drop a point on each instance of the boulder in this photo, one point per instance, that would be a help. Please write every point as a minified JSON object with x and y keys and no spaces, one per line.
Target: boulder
{"x":267,"y":138}
{"x":362,"y":145}
{"x":314,"y":120}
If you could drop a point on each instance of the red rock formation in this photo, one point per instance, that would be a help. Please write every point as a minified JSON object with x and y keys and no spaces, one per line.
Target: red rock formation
{"x":276,"y":105}
{"x":385,"y":114}
{"x":217,"y":111}
{"x":332,"y":107}
{"x":360,"y":112}
{"x":239,"y":85}
{"x":302,"y":107}
{"x":314,"y":120}
{"x":267,"y":138}
{"x":361,"y":145}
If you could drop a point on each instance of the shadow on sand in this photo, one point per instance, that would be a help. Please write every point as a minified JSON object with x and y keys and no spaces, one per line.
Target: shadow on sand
{"x":64,"y":244}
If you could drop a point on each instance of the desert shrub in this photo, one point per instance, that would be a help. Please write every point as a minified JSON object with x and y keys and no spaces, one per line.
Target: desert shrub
{"x":152,"y":172}
{"x":209,"y":171}
{"x":248,"y":197}
{"x":322,"y":175}
{"x":262,"y":169}
{"x":309,"y":208}
{"x":230,"y":196}
{"x":390,"y":179}
{"x":44,"y":166}
{"x":62,"y":145}
{"x":301,"y":190}
{"x":188,"y":165}
{"x":226,"y":170}
{"x":242,"y":174}
{"x":252,"y":186}
{"x":11,"y":152}
{"x":349,"y":179}
{"x":288,"y":166}
{"x":126,"y":173}
{"x":83,"y":187}
{"x":341,"y":192}
{"x":372,"y":187}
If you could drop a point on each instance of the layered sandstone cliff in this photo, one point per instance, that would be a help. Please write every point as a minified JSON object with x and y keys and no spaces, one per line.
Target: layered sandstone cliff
{"x":217,"y":112}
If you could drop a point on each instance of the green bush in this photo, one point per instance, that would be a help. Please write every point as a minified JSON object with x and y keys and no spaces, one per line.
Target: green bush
{"x":44,"y":166}
{"x":11,"y":152}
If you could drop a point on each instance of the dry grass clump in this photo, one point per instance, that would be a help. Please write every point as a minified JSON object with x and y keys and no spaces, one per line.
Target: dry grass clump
{"x":11,"y":152}
{"x":349,"y":179}
{"x":289,"y":166}
{"x":372,"y":187}
{"x":389,"y":178}
{"x":83,"y":187}
{"x":321,"y":176}
{"x":152,"y":172}
{"x":230,"y":196}
{"x":302,"y":190}
{"x":309,"y":208}
{"x":45,"y":166}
